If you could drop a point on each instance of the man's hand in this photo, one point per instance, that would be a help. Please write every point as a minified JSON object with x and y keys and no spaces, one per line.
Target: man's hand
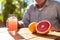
{"x":20,"y":24}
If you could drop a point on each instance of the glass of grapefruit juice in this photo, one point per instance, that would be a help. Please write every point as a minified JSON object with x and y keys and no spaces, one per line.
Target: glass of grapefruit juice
{"x":12,"y":24}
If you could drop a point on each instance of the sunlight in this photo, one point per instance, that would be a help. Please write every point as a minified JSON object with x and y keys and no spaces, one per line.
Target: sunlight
{"x":0,"y":6}
{"x":29,"y":1}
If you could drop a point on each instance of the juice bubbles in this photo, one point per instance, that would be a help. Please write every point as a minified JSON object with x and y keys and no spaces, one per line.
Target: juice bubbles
{"x":12,"y":23}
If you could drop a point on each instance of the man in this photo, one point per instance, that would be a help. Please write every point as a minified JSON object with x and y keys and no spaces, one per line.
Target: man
{"x":43,"y":10}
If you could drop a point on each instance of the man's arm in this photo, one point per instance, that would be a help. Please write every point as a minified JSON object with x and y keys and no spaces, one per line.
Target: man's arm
{"x":57,"y":27}
{"x":26,"y":17}
{"x":58,"y":12}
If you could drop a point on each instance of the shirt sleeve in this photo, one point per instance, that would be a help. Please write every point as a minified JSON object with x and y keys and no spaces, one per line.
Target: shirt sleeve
{"x":26,"y":17}
{"x":58,"y":11}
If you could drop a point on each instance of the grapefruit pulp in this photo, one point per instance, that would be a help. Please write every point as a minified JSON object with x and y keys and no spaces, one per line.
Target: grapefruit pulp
{"x":43,"y":27}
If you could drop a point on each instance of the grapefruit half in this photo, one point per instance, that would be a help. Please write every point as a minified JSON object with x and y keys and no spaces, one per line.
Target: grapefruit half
{"x":32,"y":27}
{"x":43,"y":27}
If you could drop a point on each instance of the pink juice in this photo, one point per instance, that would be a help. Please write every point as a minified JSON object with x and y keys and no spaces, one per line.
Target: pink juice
{"x":12,"y":24}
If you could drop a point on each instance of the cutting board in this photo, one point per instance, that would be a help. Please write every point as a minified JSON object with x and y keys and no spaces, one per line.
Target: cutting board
{"x":26,"y":34}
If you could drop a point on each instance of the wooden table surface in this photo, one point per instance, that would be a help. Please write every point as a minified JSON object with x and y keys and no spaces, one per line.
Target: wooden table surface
{"x":27,"y":35}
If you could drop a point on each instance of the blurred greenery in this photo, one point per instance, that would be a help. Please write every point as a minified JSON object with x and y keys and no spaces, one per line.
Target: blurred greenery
{"x":1,"y":18}
{"x":13,"y":7}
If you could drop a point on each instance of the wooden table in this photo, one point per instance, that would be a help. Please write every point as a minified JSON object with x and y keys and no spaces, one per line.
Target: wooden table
{"x":27,"y":35}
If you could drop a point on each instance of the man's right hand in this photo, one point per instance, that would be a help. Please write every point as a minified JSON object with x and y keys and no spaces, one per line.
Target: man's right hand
{"x":20,"y":24}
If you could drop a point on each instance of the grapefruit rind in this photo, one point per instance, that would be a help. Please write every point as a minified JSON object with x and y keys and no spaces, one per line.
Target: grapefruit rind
{"x":45,"y":32}
{"x":32,"y":27}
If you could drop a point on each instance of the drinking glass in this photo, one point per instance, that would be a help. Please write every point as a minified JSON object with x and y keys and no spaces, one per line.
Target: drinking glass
{"x":12,"y":23}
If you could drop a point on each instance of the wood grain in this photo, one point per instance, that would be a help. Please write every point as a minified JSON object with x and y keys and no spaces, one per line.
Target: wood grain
{"x":26,"y":34}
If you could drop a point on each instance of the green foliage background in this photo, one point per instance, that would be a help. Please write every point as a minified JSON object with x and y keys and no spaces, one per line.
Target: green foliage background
{"x":13,"y":7}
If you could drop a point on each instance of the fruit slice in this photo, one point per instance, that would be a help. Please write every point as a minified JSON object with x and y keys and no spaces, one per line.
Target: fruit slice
{"x":43,"y":27}
{"x":32,"y":27}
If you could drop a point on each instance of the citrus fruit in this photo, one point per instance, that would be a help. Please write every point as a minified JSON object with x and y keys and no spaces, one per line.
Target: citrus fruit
{"x":43,"y":27}
{"x":32,"y":27}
